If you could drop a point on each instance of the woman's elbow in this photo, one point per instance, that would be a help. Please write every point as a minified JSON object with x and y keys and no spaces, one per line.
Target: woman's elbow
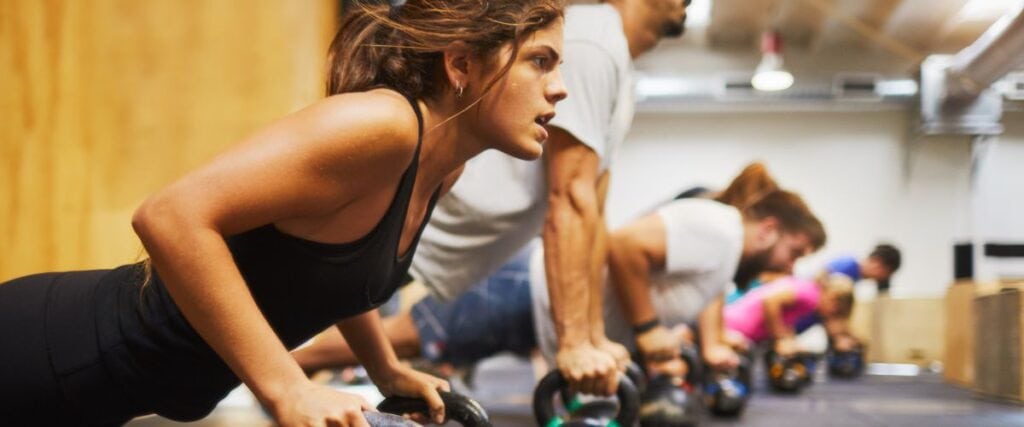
{"x":155,"y":214}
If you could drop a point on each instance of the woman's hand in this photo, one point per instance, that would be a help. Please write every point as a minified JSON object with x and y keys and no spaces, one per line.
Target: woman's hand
{"x":316,"y":405}
{"x":845,"y":342}
{"x":786,"y":346}
{"x":404,"y":381}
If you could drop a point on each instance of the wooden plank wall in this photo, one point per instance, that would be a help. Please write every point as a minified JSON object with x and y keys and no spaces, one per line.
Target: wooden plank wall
{"x":908,"y":330}
{"x":105,"y":101}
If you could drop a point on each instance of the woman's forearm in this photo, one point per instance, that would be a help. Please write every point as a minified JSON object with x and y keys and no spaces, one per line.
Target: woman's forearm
{"x":366,"y":338}
{"x":774,"y":321}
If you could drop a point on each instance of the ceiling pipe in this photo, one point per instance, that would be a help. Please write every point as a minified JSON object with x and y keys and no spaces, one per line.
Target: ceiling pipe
{"x":997,"y":52}
{"x":957,"y":92}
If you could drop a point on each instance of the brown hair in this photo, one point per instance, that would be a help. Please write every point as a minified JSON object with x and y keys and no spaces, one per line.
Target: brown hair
{"x":753,"y":183}
{"x":792,"y":213}
{"x":401,"y":47}
{"x":757,"y":196}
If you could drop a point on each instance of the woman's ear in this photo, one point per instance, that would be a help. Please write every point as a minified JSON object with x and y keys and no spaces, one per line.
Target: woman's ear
{"x":458,"y":59}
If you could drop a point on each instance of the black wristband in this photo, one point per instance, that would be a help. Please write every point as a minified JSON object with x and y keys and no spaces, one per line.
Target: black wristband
{"x":646,"y":326}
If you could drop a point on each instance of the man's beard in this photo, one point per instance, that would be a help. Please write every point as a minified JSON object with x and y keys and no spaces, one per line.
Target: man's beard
{"x":675,"y":29}
{"x":750,"y":268}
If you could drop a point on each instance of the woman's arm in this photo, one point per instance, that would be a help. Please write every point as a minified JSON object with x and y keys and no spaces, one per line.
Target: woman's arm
{"x":774,"y":304}
{"x":366,"y":337}
{"x":307,"y":165}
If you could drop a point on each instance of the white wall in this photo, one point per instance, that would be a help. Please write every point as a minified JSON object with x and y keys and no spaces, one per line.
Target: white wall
{"x":998,"y":199}
{"x":849,"y":167}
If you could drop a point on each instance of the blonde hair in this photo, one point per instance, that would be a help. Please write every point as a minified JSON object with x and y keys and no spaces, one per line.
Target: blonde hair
{"x":840,"y":287}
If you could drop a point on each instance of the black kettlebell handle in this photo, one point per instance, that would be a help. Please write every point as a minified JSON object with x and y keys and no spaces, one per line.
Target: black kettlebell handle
{"x":544,"y":405}
{"x":636,"y":374}
{"x":384,"y":419}
{"x":457,"y":407}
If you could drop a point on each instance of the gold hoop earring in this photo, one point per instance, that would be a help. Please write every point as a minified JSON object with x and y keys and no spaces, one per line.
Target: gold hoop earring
{"x":458,"y":92}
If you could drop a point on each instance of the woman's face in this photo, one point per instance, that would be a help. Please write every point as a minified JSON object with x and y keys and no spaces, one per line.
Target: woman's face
{"x":827,"y":306}
{"x":511,"y":117}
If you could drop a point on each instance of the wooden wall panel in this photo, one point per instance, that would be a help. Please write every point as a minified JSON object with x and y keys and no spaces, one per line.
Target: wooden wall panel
{"x":104,"y":101}
{"x":908,"y":330}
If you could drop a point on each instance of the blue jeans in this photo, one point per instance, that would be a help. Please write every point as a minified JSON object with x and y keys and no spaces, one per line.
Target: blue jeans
{"x":494,"y":316}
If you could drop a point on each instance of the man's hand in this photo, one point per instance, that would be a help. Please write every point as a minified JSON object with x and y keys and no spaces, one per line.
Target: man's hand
{"x":616,"y":350}
{"x":659,"y":344}
{"x":720,"y":357}
{"x":588,"y":369}
{"x":675,"y":367}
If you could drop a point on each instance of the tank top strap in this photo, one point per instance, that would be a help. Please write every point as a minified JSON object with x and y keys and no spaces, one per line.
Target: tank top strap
{"x":409,"y":176}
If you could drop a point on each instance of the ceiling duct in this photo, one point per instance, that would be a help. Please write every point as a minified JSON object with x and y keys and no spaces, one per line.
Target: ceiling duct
{"x":957,"y":92}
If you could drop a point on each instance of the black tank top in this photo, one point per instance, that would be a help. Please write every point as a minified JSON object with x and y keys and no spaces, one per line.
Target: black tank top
{"x":302,"y":287}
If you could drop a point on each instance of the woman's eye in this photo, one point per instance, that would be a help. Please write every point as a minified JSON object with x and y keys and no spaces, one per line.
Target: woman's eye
{"x":541,"y":61}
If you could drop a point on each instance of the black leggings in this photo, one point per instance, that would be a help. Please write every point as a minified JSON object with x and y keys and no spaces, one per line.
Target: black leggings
{"x":44,"y":358}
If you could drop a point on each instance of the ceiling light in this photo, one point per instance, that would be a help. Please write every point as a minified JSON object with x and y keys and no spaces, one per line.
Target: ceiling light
{"x":770,"y":75}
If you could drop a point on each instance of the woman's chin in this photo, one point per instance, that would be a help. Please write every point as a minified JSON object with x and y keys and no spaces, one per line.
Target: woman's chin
{"x":532,"y":150}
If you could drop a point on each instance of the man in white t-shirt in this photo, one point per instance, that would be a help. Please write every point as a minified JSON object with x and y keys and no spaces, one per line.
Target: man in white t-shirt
{"x":673,"y":267}
{"x":500,"y":204}
{"x":677,"y":261}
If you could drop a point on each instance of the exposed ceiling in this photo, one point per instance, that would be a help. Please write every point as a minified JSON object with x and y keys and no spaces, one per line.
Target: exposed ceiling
{"x":825,"y":37}
{"x":826,"y":43}
{"x":912,"y":28}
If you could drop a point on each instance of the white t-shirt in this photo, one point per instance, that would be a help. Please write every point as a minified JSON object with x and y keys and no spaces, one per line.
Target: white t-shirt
{"x":499,"y":203}
{"x":704,"y":242}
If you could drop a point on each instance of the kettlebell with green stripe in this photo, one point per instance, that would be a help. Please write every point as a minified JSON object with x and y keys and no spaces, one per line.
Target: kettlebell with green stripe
{"x":601,"y":413}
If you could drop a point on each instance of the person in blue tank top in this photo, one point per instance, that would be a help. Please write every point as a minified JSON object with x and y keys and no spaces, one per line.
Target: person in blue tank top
{"x":309,"y":222}
{"x":879,"y":265}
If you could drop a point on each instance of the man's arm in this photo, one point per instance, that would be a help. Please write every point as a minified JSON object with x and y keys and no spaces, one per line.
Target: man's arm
{"x":716,"y":352}
{"x":572,"y":241}
{"x":598,"y":259}
{"x":635,"y":251}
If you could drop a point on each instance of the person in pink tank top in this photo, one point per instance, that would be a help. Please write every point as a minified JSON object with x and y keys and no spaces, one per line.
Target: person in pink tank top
{"x":772,"y":311}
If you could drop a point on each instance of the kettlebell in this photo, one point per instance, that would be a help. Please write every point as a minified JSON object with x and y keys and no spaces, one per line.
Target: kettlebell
{"x":668,"y":402}
{"x":726,"y":392}
{"x":845,"y":364}
{"x":589,"y":415}
{"x":457,"y":407}
{"x":788,"y":374}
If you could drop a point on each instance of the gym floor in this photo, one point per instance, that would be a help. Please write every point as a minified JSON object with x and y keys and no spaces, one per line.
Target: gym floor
{"x":504,"y":387}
